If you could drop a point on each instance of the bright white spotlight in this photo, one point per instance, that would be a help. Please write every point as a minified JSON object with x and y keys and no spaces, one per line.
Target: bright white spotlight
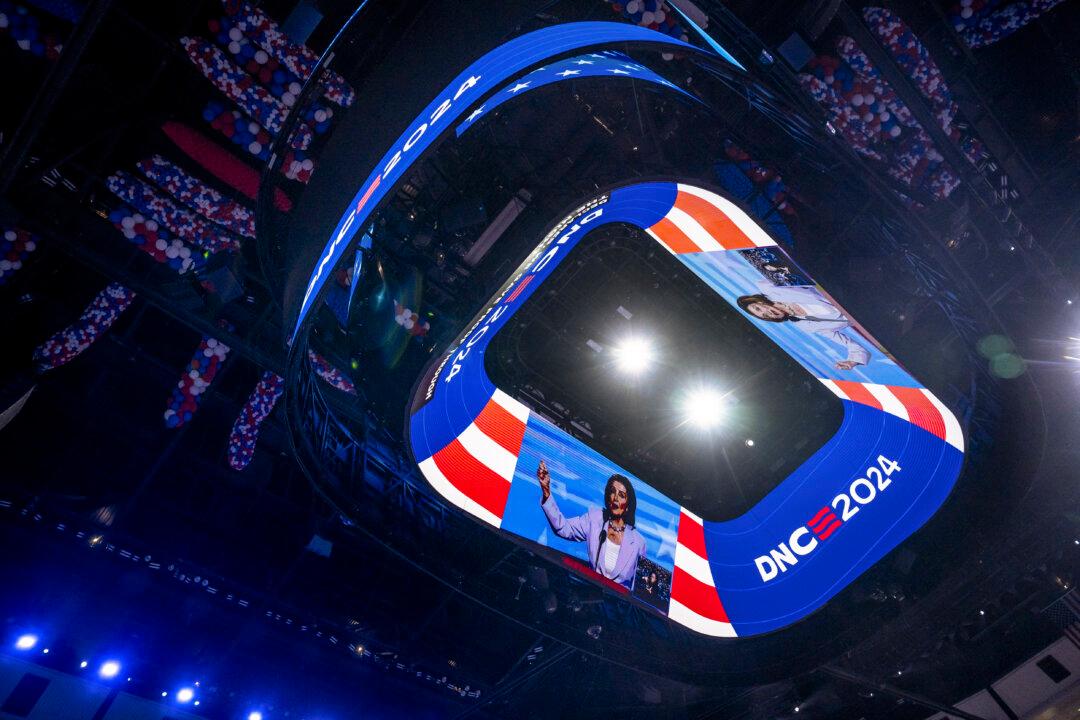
{"x":184,"y":695}
{"x":634,"y":355}
{"x":25,"y":642}
{"x":255,"y":715}
{"x":704,"y":408}
{"x":109,"y":669}
{"x":83,"y":664}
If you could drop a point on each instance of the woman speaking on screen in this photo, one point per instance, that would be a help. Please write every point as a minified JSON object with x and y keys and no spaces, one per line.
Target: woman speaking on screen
{"x":614,"y":544}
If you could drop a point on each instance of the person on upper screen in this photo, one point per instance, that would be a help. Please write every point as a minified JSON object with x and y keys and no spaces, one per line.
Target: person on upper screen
{"x":650,"y":582}
{"x":615,"y":546}
{"x":811,"y":312}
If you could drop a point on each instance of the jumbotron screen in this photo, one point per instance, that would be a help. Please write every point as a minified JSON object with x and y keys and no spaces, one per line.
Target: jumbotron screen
{"x":663,"y":394}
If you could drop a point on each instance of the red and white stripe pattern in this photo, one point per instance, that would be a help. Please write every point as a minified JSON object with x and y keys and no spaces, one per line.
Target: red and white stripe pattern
{"x":918,"y":406}
{"x":475,"y":470}
{"x":702,"y":221}
{"x":694,"y":601}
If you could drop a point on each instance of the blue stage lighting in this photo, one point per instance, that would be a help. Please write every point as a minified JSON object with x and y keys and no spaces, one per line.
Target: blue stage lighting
{"x":26,"y":642}
{"x":109,"y":669}
{"x":254,"y":715}
{"x":184,"y":695}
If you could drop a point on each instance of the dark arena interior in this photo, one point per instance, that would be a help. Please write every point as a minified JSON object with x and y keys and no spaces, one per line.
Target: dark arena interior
{"x":533,"y":359}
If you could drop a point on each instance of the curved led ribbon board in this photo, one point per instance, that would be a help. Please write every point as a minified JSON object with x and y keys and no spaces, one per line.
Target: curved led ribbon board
{"x":888,"y":468}
{"x":474,"y":83}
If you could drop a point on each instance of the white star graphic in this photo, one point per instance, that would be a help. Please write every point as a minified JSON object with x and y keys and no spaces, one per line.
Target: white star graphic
{"x":617,"y":71}
{"x":475,"y":113}
{"x":568,"y":73}
{"x":584,"y":62}
{"x":519,"y":86}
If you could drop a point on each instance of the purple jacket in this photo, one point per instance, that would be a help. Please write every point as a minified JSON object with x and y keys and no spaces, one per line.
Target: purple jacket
{"x":588,"y":527}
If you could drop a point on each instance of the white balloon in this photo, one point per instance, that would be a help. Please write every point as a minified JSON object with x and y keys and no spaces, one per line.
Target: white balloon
{"x":11,"y":236}
{"x":161,"y":244}
{"x":235,"y":34}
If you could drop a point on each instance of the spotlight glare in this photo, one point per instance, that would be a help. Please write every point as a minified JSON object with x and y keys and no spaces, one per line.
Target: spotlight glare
{"x":749,"y":442}
{"x":254,"y":715}
{"x":45,"y":651}
{"x":109,"y":669}
{"x":634,"y":355}
{"x":184,"y":695}
{"x":26,"y":642}
{"x":83,"y":664}
{"x":703,"y":408}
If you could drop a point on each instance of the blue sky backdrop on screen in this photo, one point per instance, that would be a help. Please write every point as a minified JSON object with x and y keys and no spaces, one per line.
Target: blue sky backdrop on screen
{"x":578,"y":476}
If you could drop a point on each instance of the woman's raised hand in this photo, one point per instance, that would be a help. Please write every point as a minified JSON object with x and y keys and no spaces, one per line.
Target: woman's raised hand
{"x":544,"y":477}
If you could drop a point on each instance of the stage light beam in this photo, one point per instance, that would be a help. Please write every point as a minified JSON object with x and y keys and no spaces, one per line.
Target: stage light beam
{"x":26,"y":642}
{"x":109,"y":669}
{"x":184,"y":695}
{"x":634,"y":355}
{"x":704,"y":408}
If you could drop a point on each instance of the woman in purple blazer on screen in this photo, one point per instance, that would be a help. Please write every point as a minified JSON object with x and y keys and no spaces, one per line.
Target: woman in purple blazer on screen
{"x":614,"y":544}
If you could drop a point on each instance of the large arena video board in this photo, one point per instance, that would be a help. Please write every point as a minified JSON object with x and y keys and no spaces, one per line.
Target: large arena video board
{"x":468,"y":89}
{"x":878,"y":453}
